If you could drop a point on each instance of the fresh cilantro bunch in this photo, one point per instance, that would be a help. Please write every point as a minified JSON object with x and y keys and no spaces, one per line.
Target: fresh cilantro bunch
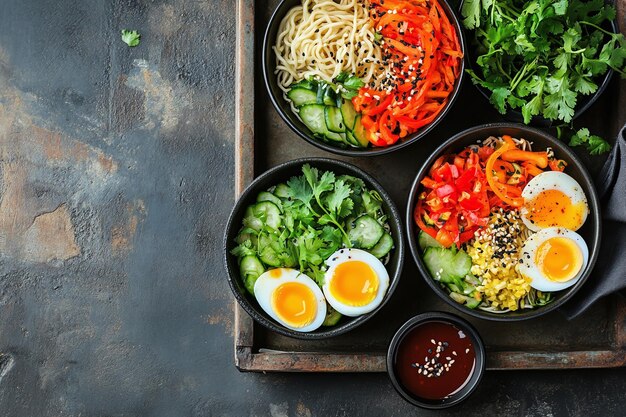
{"x":316,"y":211}
{"x":539,"y":56}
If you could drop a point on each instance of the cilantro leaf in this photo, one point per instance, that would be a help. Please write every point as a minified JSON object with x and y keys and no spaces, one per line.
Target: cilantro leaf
{"x":584,"y":86}
{"x":335,"y":199}
{"x":300,"y":190}
{"x":346,"y":207}
{"x":498,"y":98}
{"x":131,"y":37}
{"x":471,"y":13}
{"x":594,"y":144}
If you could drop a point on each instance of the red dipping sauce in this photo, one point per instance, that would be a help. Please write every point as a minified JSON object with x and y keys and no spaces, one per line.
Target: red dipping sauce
{"x":435,"y":360}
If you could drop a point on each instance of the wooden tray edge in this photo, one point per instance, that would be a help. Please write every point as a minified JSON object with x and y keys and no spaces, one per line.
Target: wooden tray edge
{"x":244,"y":149}
{"x":246,"y":360}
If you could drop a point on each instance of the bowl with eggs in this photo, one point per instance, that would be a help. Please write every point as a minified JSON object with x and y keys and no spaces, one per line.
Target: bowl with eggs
{"x":503,"y":221}
{"x":313,"y":248}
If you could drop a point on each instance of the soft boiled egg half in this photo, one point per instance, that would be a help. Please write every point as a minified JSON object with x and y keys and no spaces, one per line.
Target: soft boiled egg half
{"x":554,"y":259}
{"x":554,"y":199}
{"x":291,"y":298}
{"x":355,"y":282}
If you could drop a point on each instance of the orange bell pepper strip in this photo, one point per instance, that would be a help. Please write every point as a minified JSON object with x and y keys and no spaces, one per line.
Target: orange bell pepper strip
{"x":499,"y":189}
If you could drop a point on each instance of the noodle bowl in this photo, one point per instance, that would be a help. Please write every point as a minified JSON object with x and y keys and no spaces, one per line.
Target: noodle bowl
{"x":364,"y":74}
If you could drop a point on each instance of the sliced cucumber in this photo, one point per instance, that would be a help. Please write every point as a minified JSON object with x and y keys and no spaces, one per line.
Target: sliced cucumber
{"x":348,"y":113}
{"x":242,"y":237}
{"x":332,"y":316}
{"x":307,"y":84}
{"x":313,"y":117}
{"x":269,"y":256}
{"x":336,"y":137}
{"x":351,"y":139}
{"x":383,"y":247}
{"x":250,"y":219}
{"x":427,"y":241}
{"x":302,"y":96}
{"x":359,"y":132}
{"x":321,"y":90}
{"x":265,"y":196}
{"x":268,"y":211}
{"x":468,"y":301}
{"x":330,"y":97}
{"x":250,"y":269}
{"x":447,"y":266}
{"x":334,"y":119}
{"x":366,"y":232}
{"x":282,"y":190}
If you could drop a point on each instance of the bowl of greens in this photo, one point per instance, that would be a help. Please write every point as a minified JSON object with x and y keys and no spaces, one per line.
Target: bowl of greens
{"x":313,"y":248}
{"x":542,"y":61}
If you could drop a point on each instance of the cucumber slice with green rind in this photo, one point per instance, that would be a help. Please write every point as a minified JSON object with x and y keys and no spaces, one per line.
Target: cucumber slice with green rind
{"x":468,"y":301}
{"x":332,"y":316}
{"x":265,"y":196}
{"x":383,"y":247}
{"x":366,"y":232}
{"x":251,"y":220}
{"x":360,"y":133}
{"x":348,"y":113}
{"x":281,"y":191}
{"x":302,"y":96}
{"x":351,"y":139}
{"x":250,"y":269}
{"x":334,"y":119}
{"x":447,"y":266}
{"x":313,"y":117}
{"x":269,"y":212}
{"x":427,"y":241}
{"x":330,"y":97}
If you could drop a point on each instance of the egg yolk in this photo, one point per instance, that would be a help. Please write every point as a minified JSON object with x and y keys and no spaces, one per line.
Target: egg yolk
{"x":295,"y":304}
{"x":354,"y":283}
{"x":559,"y":259}
{"x":553,"y":208}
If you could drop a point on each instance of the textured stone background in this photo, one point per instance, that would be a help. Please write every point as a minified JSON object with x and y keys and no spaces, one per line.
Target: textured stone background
{"x":116,"y":178}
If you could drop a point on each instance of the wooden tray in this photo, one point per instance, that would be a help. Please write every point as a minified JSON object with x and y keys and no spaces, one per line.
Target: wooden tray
{"x":595,"y":340}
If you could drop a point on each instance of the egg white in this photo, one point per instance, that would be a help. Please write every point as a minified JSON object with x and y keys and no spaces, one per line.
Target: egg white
{"x":553,"y":180}
{"x":345,"y":255}
{"x":266,"y":284}
{"x":531,"y":270}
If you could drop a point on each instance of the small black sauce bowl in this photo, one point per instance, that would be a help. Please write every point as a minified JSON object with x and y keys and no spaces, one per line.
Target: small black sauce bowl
{"x":463,"y":393}
{"x":282,"y":173}
{"x":591,"y":231}
{"x":283,"y":108}
{"x":584,"y":101}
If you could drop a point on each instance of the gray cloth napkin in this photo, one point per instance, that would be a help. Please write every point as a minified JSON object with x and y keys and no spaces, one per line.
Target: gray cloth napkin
{"x":609,"y":274}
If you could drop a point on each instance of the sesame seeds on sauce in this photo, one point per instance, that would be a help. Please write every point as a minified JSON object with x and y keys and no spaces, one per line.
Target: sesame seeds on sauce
{"x":435,"y":360}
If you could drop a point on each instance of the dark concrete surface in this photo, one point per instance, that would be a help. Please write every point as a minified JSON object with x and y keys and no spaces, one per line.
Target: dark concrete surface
{"x":116,"y":178}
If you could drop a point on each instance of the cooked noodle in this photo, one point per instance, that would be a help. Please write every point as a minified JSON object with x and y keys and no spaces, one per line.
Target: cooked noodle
{"x":322,"y":38}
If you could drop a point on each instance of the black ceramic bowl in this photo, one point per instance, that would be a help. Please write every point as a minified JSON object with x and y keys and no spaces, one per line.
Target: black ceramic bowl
{"x":475,"y":376}
{"x":282,"y":173}
{"x":284,"y":110}
{"x":583,"y":103}
{"x":591,"y":230}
